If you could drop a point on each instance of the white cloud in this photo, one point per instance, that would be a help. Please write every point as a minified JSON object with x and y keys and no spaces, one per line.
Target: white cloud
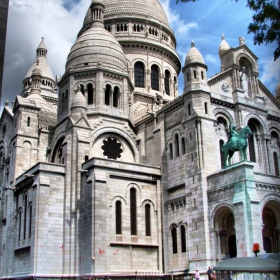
{"x":30,"y":20}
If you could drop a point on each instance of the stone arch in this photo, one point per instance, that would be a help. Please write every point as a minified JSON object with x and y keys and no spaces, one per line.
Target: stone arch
{"x":116,"y":198}
{"x":248,"y":59}
{"x":148,"y":201}
{"x":58,"y":143}
{"x":217,"y":210}
{"x":251,"y":117}
{"x":222,"y":111}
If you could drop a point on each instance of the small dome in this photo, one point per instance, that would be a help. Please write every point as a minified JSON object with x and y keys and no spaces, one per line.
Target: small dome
{"x":79,"y":100}
{"x":194,"y":56}
{"x":224,"y":46}
{"x":40,"y":102}
{"x":277,"y":95}
{"x":95,"y":47}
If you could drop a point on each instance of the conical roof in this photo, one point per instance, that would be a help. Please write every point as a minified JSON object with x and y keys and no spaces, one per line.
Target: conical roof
{"x":194,"y":56}
{"x":44,"y":65}
{"x":224,"y":46}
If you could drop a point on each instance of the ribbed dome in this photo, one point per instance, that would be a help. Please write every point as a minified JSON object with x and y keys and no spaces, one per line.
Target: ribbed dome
{"x":224,"y":46}
{"x":41,"y":103}
{"x":94,"y":47}
{"x":148,"y":9}
{"x":194,"y":56}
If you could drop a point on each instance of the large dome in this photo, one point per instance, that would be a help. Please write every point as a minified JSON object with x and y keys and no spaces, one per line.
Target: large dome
{"x":149,"y":9}
{"x":96,"y":47}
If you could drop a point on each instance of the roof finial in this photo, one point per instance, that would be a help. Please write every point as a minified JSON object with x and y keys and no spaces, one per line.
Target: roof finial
{"x":223,"y":36}
{"x":192,"y":44}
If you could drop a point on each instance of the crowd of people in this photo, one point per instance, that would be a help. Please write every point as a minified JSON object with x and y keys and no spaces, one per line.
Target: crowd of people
{"x":210,"y":272}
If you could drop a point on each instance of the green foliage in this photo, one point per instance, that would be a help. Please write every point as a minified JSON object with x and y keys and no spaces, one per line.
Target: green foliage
{"x":266,"y":22}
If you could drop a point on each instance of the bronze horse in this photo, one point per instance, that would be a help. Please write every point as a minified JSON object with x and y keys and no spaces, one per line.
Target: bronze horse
{"x":241,"y":146}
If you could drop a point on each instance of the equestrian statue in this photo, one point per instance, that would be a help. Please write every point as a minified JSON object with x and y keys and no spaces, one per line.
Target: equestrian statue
{"x":236,"y":142}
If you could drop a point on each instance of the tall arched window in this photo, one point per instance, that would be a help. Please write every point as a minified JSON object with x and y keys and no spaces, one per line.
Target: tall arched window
{"x":82,"y":89}
{"x":90,"y":94}
{"x":174,"y":240}
{"x":155,"y":77}
{"x":139,"y":74}
{"x":177,"y":145}
{"x":251,"y":145}
{"x":189,"y":109}
{"x":222,"y":158}
{"x":133,"y":212}
{"x":116,"y":97}
{"x":166,"y":82}
{"x":25,"y":216}
{"x":19,"y":224}
{"x":107,"y":95}
{"x":183,"y":239}
{"x":276,"y":166}
{"x":183,"y":145}
{"x":28,"y":121}
{"x":118,"y":217}
{"x":30,"y":220}
{"x":205,"y":108}
{"x":170,"y":151}
{"x":148,"y":219}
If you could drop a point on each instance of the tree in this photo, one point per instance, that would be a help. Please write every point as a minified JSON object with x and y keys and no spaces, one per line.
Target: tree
{"x":266,"y":22}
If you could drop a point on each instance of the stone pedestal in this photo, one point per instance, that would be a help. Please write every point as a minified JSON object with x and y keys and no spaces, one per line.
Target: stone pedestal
{"x":246,"y":207}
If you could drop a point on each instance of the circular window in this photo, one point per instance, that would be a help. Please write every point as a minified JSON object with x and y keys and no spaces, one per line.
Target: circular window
{"x":112,"y":148}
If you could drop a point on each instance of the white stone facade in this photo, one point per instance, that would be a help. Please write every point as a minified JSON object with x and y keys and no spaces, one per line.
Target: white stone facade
{"x":109,"y":171}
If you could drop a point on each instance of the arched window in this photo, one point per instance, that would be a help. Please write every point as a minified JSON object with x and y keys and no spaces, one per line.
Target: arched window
{"x":166,"y":82}
{"x":118,"y":217}
{"x":183,"y":239}
{"x":30,"y":220}
{"x":19,"y":224}
{"x":183,"y":145}
{"x":139,"y":76}
{"x":194,"y":74}
{"x":170,"y":151}
{"x":188,"y":77}
{"x":148,"y":219}
{"x":174,"y":240}
{"x":116,"y":97}
{"x":82,"y":89}
{"x":189,"y":109}
{"x":202,"y":75}
{"x":28,"y":121}
{"x":133,"y":212}
{"x":177,"y":145}
{"x":107,"y":95}
{"x":155,"y":77}
{"x":221,"y":143}
{"x":90,"y":94}
{"x":276,"y":166}
{"x":25,"y":216}
{"x":251,"y":145}
{"x":205,"y":108}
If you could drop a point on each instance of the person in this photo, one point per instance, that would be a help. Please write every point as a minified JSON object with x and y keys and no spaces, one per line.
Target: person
{"x":243,"y":80}
{"x":213,"y":275}
{"x":233,"y":136}
{"x":209,"y":271}
{"x":197,"y":276}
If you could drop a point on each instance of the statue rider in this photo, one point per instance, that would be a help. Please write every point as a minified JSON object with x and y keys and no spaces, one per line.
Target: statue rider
{"x":232,"y":136}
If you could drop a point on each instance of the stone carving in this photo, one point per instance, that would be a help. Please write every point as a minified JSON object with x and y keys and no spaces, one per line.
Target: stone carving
{"x":243,"y":81}
{"x":241,"y":41}
{"x":225,"y":87}
{"x":236,"y":142}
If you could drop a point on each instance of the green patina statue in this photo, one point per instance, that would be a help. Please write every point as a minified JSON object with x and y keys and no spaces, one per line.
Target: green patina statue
{"x":236,"y":142}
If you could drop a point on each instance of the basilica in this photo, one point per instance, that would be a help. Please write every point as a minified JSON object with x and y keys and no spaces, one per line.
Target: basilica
{"x":108,"y":170}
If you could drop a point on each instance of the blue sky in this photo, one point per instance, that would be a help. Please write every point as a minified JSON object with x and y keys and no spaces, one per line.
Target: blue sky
{"x":59,"y":21}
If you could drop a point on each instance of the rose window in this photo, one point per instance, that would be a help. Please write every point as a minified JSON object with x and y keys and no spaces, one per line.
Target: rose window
{"x":112,"y":148}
